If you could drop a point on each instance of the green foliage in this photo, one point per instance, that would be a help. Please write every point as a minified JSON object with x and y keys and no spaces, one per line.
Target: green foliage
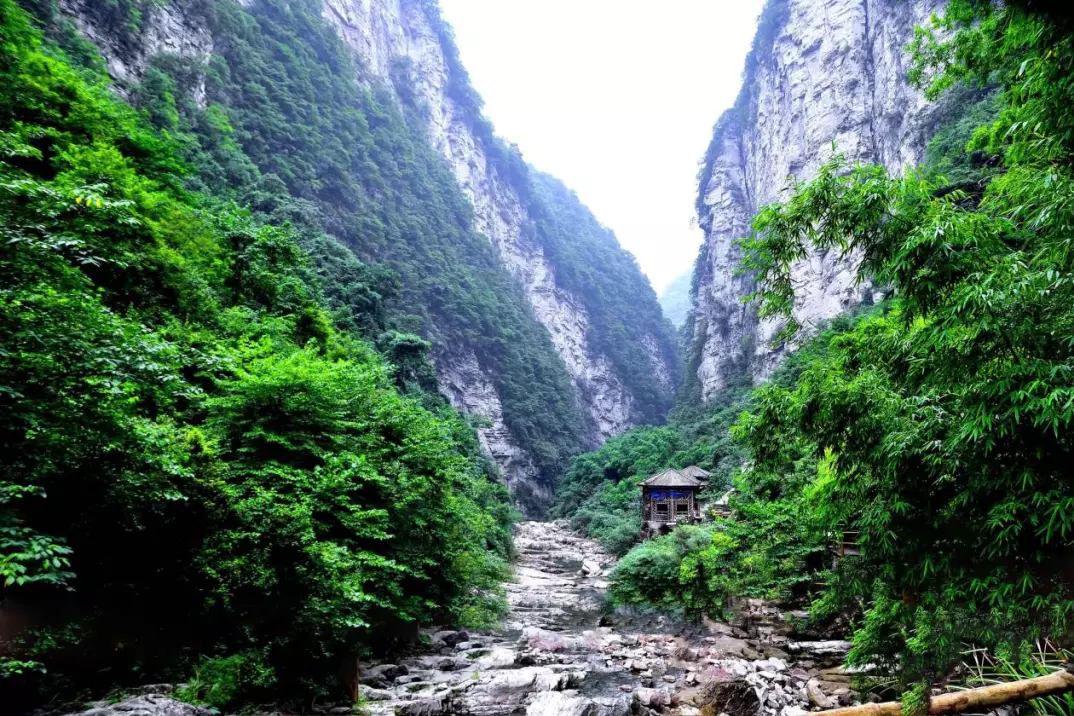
{"x":600,"y":492}
{"x":697,"y":569}
{"x":774,"y":547}
{"x":288,"y":131}
{"x":220,"y":681}
{"x":941,"y":428}
{"x":202,"y":456}
{"x":949,"y":154}
{"x":679,"y":570}
{"x":1040,"y":659}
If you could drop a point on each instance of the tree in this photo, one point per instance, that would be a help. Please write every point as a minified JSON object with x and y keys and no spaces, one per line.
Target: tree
{"x":943,"y":423}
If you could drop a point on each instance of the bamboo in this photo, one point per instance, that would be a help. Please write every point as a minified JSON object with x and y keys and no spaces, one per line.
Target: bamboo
{"x":984,"y":697}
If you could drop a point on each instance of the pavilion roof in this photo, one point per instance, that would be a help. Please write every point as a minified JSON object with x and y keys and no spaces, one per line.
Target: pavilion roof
{"x":671,"y":478}
{"x":695,"y":472}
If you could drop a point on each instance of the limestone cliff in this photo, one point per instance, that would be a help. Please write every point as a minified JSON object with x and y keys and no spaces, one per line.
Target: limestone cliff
{"x":404,"y":45}
{"x":821,"y":71}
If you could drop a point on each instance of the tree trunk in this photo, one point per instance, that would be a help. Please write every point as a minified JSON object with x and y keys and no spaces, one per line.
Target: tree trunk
{"x":979,"y":699}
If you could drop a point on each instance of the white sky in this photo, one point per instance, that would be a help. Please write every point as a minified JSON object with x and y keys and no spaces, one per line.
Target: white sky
{"x":617,"y":98}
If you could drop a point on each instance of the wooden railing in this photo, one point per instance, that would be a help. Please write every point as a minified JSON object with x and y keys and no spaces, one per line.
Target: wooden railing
{"x":845,"y":544}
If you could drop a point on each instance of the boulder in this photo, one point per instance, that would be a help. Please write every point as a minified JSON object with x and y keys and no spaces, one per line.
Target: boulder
{"x":526,"y":680}
{"x":370,"y":694}
{"x":449,"y":638}
{"x":495,"y":659}
{"x":436,"y":706}
{"x":652,"y":698}
{"x":383,"y":676}
{"x":734,"y":698}
{"x":590,"y":568}
{"x":569,"y":703}
{"x":817,"y":697}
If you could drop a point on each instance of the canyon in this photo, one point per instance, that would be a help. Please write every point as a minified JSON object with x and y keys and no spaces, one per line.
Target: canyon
{"x":405,"y":47}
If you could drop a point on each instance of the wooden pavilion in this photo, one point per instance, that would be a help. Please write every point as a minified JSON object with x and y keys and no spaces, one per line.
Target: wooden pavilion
{"x":667,"y":499}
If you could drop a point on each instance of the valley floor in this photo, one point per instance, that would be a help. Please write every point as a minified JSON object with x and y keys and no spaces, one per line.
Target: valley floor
{"x":557,"y":655}
{"x":553,"y":656}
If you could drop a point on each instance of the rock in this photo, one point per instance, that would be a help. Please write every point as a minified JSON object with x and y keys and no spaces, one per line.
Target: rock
{"x":495,"y":659}
{"x":689,"y":711}
{"x":730,"y":646}
{"x":437,"y":706}
{"x":382,"y":676}
{"x":816,"y":696}
{"x":591,"y":569}
{"x":819,"y":648}
{"x":149,"y":705}
{"x":734,"y":698}
{"x":371,"y":694}
{"x":526,"y":680}
{"x":652,"y":698}
{"x":835,"y":71}
{"x":381,"y":32}
{"x":569,"y":703}
{"x":449,"y":638}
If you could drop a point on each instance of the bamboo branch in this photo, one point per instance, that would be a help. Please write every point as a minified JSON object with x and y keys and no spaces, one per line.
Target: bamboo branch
{"x":985,"y":697}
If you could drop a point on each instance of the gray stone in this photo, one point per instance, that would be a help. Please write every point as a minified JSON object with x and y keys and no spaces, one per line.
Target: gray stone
{"x":817,"y":697}
{"x":149,"y":705}
{"x":371,"y":694}
{"x":449,"y":638}
{"x":383,"y":675}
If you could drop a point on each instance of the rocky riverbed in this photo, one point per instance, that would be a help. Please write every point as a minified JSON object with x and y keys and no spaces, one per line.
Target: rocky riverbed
{"x":556,"y":655}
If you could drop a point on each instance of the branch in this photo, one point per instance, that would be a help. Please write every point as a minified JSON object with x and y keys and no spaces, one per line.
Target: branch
{"x":986,"y":697}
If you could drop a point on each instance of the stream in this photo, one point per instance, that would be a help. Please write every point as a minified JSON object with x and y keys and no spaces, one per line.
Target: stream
{"x":557,"y":655}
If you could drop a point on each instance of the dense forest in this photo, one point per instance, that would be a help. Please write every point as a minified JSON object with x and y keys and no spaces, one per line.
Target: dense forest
{"x":936,"y":425}
{"x":226,"y":280}
{"x":207,"y":465}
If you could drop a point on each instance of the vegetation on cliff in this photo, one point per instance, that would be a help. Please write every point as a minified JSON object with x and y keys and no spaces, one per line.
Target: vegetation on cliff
{"x":205,"y":466}
{"x":938,"y":425}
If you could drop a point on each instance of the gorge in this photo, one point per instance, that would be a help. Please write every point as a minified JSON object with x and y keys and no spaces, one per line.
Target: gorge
{"x":571,"y":271}
{"x":316,"y":396}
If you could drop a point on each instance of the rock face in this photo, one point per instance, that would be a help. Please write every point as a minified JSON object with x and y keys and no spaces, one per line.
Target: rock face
{"x":405,"y":46}
{"x":171,"y":31}
{"x":470,"y":390}
{"x":821,"y":71}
